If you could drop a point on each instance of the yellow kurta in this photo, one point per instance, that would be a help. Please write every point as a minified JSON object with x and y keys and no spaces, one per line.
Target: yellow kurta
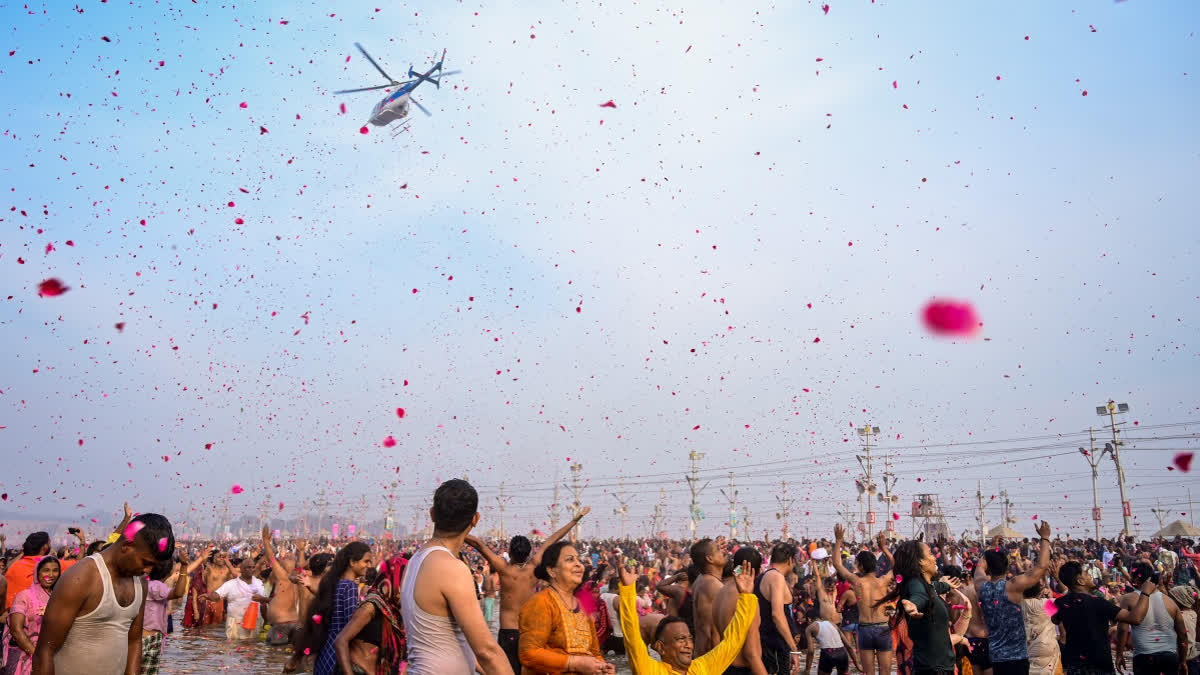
{"x":713,"y":663}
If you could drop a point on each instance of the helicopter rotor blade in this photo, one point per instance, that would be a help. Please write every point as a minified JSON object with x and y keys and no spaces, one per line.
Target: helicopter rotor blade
{"x":414,"y":102}
{"x":381,"y":71}
{"x":447,"y":73}
{"x":352,"y":91}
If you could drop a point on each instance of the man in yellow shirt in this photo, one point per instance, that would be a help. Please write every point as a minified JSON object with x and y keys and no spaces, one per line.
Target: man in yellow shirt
{"x":673,"y":639}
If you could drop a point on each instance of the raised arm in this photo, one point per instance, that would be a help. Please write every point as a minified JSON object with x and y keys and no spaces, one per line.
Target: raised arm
{"x":563,"y":531}
{"x":494,"y":561}
{"x":184,"y":577}
{"x":1018,"y":584}
{"x":670,"y":588}
{"x":635,"y":647}
{"x":124,"y":521}
{"x":838,"y":534}
{"x":276,"y":569}
{"x":882,"y":541}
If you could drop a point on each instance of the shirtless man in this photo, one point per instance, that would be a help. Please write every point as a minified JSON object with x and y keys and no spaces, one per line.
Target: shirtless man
{"x":977,"y":633}
{"x":678,"y":590}
{"x":102,"y":599}
{"x":777,"y":628}
{"x":709,"y":557}
{"x":874,"y":634}
{"x":283,"y":612}
{"x":217,"y":571}
{"x":516,"y":582}
{"x":749,"y":659}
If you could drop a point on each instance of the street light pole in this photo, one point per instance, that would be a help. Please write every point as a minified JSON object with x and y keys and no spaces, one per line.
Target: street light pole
{"x":864,"y":460}
{"x":1112,"y":410}
{"x":1094,"y":462}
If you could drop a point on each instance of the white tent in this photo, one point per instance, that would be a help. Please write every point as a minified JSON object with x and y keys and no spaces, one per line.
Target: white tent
{"x":1004,"y":532}
{"x":1178,"y":529}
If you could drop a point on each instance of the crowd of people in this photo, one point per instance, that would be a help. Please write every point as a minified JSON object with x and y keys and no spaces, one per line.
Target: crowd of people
{"x":1037,"y":606}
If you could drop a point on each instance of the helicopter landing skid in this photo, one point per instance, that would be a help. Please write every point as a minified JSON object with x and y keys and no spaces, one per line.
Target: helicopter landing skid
{"x":400,"y":128}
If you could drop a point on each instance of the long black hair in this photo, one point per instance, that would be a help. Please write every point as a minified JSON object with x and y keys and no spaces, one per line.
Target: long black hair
{"x":322,"y":606}
{"x":908,"y":557}
{"x":550,"y":559}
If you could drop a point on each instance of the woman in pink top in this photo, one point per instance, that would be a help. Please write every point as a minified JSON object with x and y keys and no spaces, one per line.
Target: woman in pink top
{"x":25,"y":617}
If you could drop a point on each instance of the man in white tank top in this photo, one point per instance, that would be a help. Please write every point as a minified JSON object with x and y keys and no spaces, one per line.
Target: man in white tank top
{"x":93,"y":622}
{"x":443,"y":622}
{"x":1157,"y":638}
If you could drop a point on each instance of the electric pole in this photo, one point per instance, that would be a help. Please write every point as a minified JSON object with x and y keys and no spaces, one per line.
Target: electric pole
{"x":555,"y":509}
{"x":864,"y":461}
{"x":622,"y":499}
{"x":982,"y":514}
{"x":321,"y":503}
{"x":660,"y":513}
{"x":731,"y":497}
{"x":502,"y":502}
{"x":785,"y":509}
{"x":576,"y":489}
{"x":746,"y":521}
{"x":1112,"y":410}
{"x":889,"y":483}
{"x":693,"y":480}
{"x":1094,"y":462}
{"x":1158,"y":513}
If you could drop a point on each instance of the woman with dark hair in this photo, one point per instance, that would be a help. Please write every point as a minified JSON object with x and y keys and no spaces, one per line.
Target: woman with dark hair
{"x":373,"y":642}
{"x":337,"y":598}
{"x":557,"y":636}
{"x":925,"y":616}
{"x":25,"y":617}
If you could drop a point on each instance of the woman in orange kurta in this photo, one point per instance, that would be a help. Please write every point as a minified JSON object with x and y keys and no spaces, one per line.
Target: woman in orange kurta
{"x":557,"y":636}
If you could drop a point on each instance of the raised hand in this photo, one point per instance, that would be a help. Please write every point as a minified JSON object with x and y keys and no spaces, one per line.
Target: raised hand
{"x":839,"y":533}
{"x":128,"y":511}
{"x":881,"y":540}
{"x":1044,"y":530}
{"x":629,"y":575}
{"x":583,"y":512}
{"x":745,"y":580}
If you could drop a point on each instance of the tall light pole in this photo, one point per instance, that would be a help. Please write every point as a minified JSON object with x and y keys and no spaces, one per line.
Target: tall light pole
{"x":622,"y":499}
{"x":576,"y":489}
{"x":731,"y":497}
{"x":982,"y":514}
{"x":1094,"y":462}
{"x":693,"y":479}
{"x":864,"y":461}
{"x":785,"y":509}
{"x":1112,"y":410}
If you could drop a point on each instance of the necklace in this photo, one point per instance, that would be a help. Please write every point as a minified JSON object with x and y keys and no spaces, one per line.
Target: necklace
{"x":566,"y":599}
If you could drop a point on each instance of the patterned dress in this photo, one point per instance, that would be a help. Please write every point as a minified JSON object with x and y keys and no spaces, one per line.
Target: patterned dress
{"x":31,"y":603}
{"x":345,"y":602}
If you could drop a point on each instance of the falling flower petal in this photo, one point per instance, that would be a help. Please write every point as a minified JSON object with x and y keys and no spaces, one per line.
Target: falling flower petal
{"x":1183,"y":461}
{"x":51,"y":288}
{"x":608,"y":104}
{"x":162,"y":544}
{"x":389,"y":442}
{"x":951,"y":317}
{"x":132,"y":529}
{"x":236,"y":489}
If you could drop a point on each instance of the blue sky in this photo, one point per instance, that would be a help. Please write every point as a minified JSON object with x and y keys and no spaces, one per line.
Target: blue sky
{"x":620,"y":276}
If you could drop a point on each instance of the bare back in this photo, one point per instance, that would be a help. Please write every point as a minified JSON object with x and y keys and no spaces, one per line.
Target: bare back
{"x":704,"y":593}
{"x":977,"y":628}
{"x":724,"y":607}
{"x":516,"y":587}
{"x":869,"y":589}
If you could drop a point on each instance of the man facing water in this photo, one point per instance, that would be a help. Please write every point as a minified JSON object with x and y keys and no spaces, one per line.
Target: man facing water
{"x":442,"y":618}
{"x":93,"y":622}
{"x":516,"y":581}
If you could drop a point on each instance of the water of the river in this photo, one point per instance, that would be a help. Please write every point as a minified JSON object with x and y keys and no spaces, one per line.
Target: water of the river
{"x":205,"y":650}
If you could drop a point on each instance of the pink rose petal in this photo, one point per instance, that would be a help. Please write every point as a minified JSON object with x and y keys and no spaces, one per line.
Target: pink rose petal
{"x":236,"y":489}
{"x":1183,"y":461}
{"x":951,"y":318}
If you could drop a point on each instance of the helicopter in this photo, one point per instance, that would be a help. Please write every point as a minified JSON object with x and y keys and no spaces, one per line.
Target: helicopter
{"x":395,"y":105}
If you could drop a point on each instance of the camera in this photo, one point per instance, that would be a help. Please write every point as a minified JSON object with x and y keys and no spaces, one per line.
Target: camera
{"x":72,"y":530}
